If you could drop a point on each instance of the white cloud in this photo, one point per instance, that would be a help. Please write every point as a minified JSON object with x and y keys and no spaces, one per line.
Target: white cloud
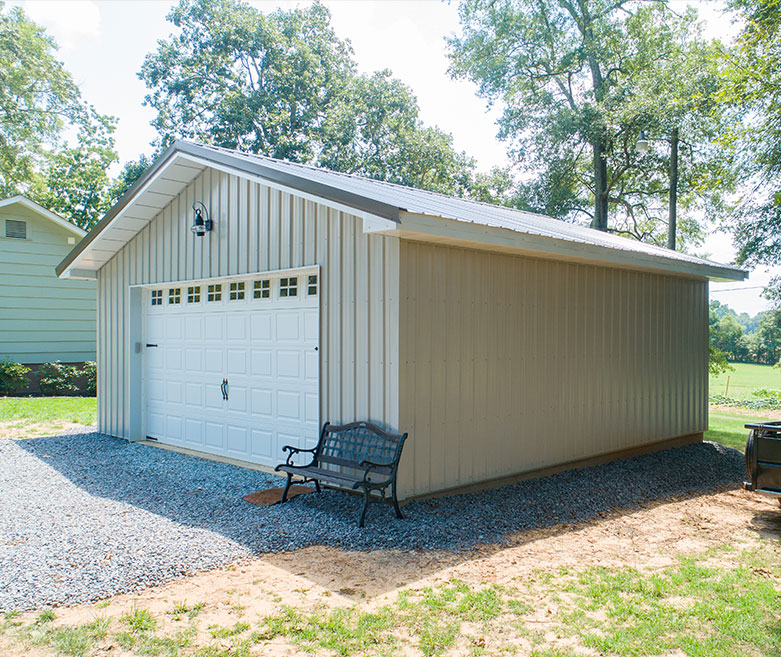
{"x":69,"y":22}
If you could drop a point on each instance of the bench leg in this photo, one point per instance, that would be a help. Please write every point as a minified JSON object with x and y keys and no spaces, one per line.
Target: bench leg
{"x":365,"y":506}
{"x":287,"y":487}
{"x":317,"y":486}
{"x":396,"y":504}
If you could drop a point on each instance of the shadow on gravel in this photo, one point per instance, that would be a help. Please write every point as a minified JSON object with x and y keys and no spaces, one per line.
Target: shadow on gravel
{"x":194,"y":492}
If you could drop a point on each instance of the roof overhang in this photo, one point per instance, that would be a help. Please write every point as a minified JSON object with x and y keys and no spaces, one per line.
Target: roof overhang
{"x":425,"y":228}
{"x":170,"y":174}
{"x":39,"y":209}
{"x":184,"y":161}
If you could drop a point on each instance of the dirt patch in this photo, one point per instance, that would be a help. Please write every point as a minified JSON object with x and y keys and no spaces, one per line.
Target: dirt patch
{"x":649,"y":538}
{"x":748,"y":413}
{"x":20,"y":429}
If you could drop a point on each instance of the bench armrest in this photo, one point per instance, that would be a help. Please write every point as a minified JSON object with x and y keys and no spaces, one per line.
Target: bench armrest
{"x":296,"y":450}
{"x":372,"y":464}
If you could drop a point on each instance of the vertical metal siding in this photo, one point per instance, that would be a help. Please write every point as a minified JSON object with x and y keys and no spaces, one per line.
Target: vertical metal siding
{"x":511,"y":364}
{"x":256,"y":229}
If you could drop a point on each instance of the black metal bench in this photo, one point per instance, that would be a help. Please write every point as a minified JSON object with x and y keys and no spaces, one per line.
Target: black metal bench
{"x":359,"y":456}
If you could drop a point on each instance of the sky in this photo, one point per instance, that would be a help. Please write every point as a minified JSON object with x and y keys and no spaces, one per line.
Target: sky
{"x":103,"y":44}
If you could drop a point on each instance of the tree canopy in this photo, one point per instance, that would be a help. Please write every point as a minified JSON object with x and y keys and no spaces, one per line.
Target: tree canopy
{"x":39,"y":104}
{"x":285,"y":85}
{"x":752,"y":81}
{"x":578,"y":82}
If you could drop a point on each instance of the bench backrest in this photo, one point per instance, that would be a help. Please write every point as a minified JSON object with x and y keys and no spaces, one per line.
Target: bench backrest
{"x":348,"y":444}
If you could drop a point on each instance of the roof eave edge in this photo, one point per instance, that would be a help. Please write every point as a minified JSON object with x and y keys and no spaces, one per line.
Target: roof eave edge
{"x":115,"y":209}
{"x":542,"y":245}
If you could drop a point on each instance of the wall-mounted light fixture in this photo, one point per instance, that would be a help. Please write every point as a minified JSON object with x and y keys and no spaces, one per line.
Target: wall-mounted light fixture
{"x":201,"y":225}
{"x":643,"y":145}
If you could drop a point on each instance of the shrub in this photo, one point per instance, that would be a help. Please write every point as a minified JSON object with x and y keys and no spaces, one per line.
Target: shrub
{"x":12,"y":377}
{"x":58,"y":379}
{"x":90,"y":374}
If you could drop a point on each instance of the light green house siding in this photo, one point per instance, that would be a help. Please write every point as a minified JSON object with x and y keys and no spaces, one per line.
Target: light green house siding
{"x":42,"y":318}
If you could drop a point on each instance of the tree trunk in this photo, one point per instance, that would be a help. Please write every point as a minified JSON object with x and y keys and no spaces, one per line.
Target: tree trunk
{"x":600,"y":187}
{"x":672,"y":224}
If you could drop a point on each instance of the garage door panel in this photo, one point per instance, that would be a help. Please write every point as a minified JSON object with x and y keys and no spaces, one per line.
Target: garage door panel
{"x":155,"y":424}
{"x":155,"y":390}
{"x":260,"y":327}
{"x":289,"y":405}
{"x":288,"y":364}
{"x":237,"y":398}
{"x":214,"y":360}
{"x":193,"y":360}
{"x":236,"y":326}
{"x":260,"y":362}
{"x":312,"y":408}
{"x":193,"y":328}
{"x":312,"y":366}
{"x":214,"y":435}
{"x":261,"y":444}
{"x":173,"y":427}
{"x":194,"y":394}
{"x":262,"y":402}
{"x":213,"y":394}
{"x":173,"y":327}
{"x":288,"y":326}
{"x":173,"y":392}
{"x":238,"y":440}
{"x":312,"y":326}
{"x":193,"y":432}
{"x":214,"y":327}
{"x":173,"y":358}
{"x":236,"y":361}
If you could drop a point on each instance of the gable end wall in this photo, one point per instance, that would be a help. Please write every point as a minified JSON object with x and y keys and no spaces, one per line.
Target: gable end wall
{"x":260,"y":229}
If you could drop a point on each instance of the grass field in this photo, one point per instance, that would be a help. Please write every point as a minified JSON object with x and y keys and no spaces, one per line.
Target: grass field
{"x":79,"y":410}
{"x":728,"y":430}
{"x":745,"y":378}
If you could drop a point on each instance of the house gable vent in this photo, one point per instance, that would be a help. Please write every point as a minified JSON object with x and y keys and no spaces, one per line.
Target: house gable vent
{"x":16,"y":229}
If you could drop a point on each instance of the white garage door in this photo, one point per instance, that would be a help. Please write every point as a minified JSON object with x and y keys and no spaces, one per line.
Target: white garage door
{"x":231,"y":366}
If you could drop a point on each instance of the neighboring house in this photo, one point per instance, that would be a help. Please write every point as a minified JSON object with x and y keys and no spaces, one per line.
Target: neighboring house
{"x":43,"y":318}
{"x":504,"y":342}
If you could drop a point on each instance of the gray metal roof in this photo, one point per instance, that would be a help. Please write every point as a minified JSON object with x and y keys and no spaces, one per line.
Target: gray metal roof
{"x":183,"y":160}
{"x":420,"y":201}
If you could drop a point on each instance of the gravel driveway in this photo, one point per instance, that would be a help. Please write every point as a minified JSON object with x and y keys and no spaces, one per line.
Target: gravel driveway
{"x":86,"y":516}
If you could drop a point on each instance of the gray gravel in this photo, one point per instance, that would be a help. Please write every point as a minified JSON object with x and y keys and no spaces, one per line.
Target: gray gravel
{"x":86,"y":516}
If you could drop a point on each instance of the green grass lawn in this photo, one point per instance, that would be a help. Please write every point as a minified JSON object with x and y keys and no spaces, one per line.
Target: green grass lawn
{"x":745,"y":378}
{"x":79,"y":410}
{"x":728,"y":430}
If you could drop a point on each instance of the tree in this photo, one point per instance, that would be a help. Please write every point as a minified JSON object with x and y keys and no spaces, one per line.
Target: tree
{"x":579,"y":81}
{"x":753,"y":82}
{"x":284,"y":85}
{"x":131,"y":172}
{"x":74,"y":182}
{"x":37,"y":98}
{"x":39,"y":103}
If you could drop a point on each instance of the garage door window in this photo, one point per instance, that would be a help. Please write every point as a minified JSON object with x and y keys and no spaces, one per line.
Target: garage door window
{"x":261,"y":289}
{"x":311,"y":286}
{"x":214,"y":293}
{"x":236,"y":291}
{"x":157,"y":297}
{"x":288,"y":287}
{"x":174,"y":295}
{"x":194,"y":294}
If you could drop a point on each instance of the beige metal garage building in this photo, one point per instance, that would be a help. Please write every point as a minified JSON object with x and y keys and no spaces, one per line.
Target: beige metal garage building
{"x":504,"y":342}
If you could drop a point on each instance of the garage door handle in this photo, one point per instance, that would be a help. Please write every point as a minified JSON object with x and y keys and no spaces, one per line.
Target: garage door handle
{"x":150,"y":345}
{"x":224,"y":389}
